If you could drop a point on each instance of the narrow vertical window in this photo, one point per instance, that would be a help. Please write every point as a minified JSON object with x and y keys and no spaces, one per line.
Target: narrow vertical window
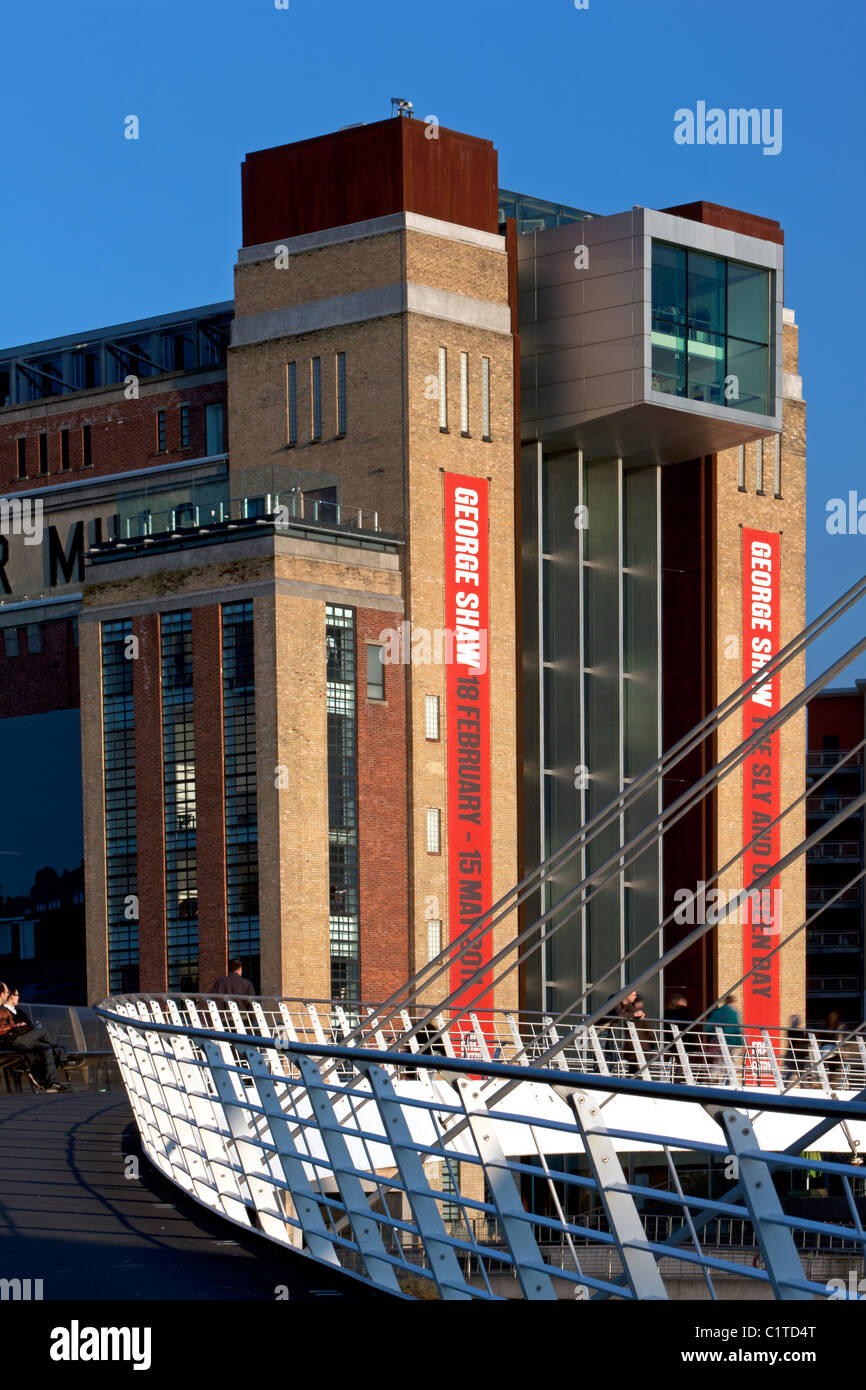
{"x":160,"y":431}
{"x":464,"y":394}
{"x":741,"y":468}
{"x":179,"y":797}
{"x":777,"y":467}
{"x":184,"y":427}
{"x":241,"y":809}
{"x":431,"y":717}
{"x":434,"y":939}
{"x":64,"y":450}
{"x":43,"y":453}
{"x":433,"y":836}
{"x":341,"y":394}
{"x":21,"y":452}
{"x":214,"y":429}
{"x":375,"y":671}
{"x":34,"y":639}
{"x":316,"y":397}
{"x":10,"y":638}
{"x":86,"y":452}
{"x":485,"y":399}
{"x":121,"y":842}
{"x":291,"y":403}
{"x":759,"y":467}
{"x":443,"y":389}
{"x":343,"y":802}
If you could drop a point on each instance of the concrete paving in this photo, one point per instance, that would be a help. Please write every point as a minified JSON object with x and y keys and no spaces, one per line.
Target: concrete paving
{"x":71,"y":1217}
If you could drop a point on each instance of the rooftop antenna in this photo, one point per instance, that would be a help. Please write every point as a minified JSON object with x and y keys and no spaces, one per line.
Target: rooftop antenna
{"x":401,"y":107}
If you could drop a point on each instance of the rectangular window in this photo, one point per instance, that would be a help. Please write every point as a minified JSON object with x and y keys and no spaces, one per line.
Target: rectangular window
{"x":10,"y":638}
{"x":464,"y":394}
{"x":777,"y":466}
{"x":434,"y":939}
{"x":485,"y":399}
{"x":710,"y":329}
{"x":184,"y":427}
{"x":341,"y":394}
{"x":741,"y":468}
{"x":64,"y":450}
{"x":214,"y":426}
{"x":291,"y":403}
{"x":86,"y":452}
{"x":34,"y":638}
{"x":21,"y":455}
{"x":375,"y":671}
{"x":759,"y":467}
{"x":160,"y":431}
{"x":43,"y":453}
{"x":433,"y":825}
{"x":121,"y":865}
{"x":443,"y":389}
{"x":179,"y":799}
{"x":5,"y":939}
{"x":26,"y":937}
{"x":239,"y":759}
{"x":431,"y":717}
{"x":316,"y":398}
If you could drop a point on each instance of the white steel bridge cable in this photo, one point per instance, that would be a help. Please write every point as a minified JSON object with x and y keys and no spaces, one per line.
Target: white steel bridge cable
{"x":607,"y":815}
{"x":621,"y":858}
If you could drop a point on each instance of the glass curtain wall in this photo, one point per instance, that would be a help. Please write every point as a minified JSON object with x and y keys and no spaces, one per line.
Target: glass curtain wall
{"x":592,"y":712}
{"x":711,"y":329}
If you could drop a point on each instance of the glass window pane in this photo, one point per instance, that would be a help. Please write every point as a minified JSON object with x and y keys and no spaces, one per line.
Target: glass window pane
{"x":375,"y":672}
{"x":669,"y":358}
{"x":750,"y":366}
{"x":669,"y":283}
{"x":748,"y":303}
{"x":706,"y":368}
{"x":706,"y":294}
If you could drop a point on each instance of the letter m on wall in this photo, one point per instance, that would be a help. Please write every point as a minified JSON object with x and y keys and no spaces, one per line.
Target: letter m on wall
{"x":70,"y":561}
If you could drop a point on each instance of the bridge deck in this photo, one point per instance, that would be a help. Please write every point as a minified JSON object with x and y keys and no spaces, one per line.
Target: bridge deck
{"x":70,"y":1217}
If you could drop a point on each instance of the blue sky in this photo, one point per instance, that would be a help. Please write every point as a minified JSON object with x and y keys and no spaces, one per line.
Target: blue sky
{"x":99,"y":229}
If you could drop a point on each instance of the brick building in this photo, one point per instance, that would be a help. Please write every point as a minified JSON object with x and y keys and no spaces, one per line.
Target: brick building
{"x":388,"y":597}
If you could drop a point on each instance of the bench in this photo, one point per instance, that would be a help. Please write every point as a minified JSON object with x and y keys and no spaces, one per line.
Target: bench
{"x":14,"y":1066}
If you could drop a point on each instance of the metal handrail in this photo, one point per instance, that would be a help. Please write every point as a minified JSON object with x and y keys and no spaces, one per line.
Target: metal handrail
{"x":332,"y":1151}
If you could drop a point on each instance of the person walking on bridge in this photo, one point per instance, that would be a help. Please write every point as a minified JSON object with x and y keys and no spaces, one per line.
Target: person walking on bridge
{"x":725,"y":1017}
{"x":233,"y":982}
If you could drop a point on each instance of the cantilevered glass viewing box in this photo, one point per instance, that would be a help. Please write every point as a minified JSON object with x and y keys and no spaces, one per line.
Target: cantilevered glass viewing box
{"x":649,"y":336}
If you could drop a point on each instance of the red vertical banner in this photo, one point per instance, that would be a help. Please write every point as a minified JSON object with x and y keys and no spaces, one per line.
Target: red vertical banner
{"x":467,"y":725}
{"x":761,"y":917}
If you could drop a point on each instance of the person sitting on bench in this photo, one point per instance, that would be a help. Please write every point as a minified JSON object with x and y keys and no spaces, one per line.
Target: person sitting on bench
{"x":19,"y":1034}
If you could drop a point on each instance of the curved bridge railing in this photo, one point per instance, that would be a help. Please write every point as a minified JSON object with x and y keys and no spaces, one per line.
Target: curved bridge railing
{"x":428,"y":1175}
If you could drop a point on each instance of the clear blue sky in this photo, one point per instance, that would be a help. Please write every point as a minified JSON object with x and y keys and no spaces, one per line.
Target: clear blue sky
{"x":98,"y":229}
